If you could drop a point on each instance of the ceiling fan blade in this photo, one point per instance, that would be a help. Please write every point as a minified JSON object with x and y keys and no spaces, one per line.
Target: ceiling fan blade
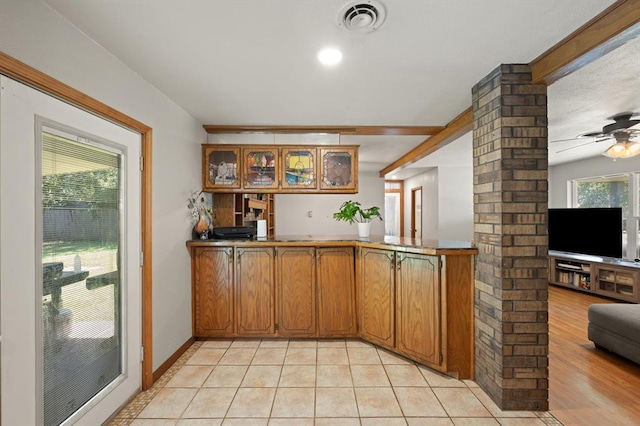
{"x":566,"y":140}
{"x":595,"y":136}
{"x":577,"y":146}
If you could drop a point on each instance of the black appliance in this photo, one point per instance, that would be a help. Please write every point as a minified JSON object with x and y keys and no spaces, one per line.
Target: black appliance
{"x":232,"y":232}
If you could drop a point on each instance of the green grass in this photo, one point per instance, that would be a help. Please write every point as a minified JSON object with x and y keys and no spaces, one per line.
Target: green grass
{"x":62,"y":248}
{"x":96,"y":257}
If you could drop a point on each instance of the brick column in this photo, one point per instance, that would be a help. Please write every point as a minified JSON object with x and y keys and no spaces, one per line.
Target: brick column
{"x":510,"y":216}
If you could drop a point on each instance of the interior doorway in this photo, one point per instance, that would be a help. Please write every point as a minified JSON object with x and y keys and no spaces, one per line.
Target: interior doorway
{"x":416,"y":212}
{"x":394,"y":208}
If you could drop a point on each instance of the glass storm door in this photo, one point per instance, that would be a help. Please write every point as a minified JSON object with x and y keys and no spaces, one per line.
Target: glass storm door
{"x":70,"y":308}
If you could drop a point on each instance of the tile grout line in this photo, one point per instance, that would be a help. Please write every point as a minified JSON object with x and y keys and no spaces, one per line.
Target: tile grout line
{"x":545,"y":417}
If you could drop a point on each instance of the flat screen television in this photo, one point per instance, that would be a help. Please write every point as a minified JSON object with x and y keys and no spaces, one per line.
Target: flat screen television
{"x":593,"y":231}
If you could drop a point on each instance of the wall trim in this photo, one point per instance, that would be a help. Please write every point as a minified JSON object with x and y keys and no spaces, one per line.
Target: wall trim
{"x":173,"y":358}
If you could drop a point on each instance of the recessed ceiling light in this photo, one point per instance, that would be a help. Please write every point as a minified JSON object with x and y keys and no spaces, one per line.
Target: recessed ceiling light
{"x":329,"y":56}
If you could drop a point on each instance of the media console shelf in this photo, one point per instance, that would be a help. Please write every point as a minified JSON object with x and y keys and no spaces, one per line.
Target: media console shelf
{"x":618,"y":279}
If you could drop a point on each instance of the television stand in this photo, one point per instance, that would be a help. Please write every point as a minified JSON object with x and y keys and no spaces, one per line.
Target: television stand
{"x":614,"y":278}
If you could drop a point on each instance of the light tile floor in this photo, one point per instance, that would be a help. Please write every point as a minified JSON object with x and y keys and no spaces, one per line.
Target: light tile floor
{"x":311,"y":382}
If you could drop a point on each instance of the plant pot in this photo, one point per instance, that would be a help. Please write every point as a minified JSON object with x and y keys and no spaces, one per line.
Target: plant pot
{"x":364,"y":229}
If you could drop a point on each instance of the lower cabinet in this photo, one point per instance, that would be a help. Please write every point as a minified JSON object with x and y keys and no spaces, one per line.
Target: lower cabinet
{"x":418,"y":298}
{"x":377,"y":296}
{"x":336,"y":292}
{"x":212,"y":292}
{"x":296,"y":278}
{"x":255,"y":284}
{"x":400,"y":303}
{"x":619,"y":283}
{"x":417,"y":305}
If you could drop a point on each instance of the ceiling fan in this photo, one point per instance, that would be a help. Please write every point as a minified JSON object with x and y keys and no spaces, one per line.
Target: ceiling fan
{"x":621,"y":130}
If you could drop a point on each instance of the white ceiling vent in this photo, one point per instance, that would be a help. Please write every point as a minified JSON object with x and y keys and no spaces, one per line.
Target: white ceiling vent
{"x":361,"y":16}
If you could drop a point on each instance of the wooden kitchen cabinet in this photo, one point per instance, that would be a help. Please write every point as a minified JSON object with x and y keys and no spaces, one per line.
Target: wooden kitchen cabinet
{"x":338,"y":169}
{"x":286,"y":169}
{"x":255,"y":286}
{"x":377,"y":296}
{"x":299,"y":168}
{"x":336,"y":291}
{"x":261,"y":165}
{"x":296,"y":281}
{"x":213,"y":308}
{"x":220,"y":167}
{"x":418,"y":313}
{"x":419,"y":305}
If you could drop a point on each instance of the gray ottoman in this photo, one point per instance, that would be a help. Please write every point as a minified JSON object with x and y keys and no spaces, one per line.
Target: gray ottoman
{"x":616,"y":327}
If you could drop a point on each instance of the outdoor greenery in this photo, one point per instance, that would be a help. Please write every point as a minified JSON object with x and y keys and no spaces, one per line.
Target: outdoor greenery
{"x":603,"y":194}
{"x":89,"y":189}
{"x":351,"y":211}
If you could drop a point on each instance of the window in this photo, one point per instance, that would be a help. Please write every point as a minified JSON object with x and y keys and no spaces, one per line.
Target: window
{"x":621,"y":190}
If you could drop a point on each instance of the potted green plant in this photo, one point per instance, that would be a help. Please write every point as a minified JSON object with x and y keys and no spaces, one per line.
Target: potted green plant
{"x":352,"y":211}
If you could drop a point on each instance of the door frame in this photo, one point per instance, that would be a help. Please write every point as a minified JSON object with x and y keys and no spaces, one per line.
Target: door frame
{"x":401,"y":192}
{"x":413,"y":211}
{"x":30,"y":76}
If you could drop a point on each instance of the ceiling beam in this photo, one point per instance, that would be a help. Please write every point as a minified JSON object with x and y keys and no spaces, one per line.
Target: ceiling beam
{"x":612,"y":28}
{"x":457,"y":127}
{"x":342,"y":130}
{"x":616,"y":25}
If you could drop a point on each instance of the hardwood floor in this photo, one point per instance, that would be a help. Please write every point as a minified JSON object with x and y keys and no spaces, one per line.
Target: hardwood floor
{"x":587,"y":386}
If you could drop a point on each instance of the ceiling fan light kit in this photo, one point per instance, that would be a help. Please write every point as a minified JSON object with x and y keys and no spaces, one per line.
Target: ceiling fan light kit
{"x":623,"y":150}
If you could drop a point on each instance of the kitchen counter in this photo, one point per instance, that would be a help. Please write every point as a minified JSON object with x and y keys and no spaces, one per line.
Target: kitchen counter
{"x":403,"y":244}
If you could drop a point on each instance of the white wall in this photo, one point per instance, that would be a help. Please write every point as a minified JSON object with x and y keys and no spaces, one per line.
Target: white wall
{"x":590,"y":167}
{"x":429,"y":183}
{"x":292,"y":210}
{"x":447,"y":203}
{"x":32,"y":33}
{"x":455,"y":203}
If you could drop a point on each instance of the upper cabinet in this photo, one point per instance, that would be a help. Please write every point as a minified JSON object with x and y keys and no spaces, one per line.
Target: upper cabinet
{"x":261,"y":167}
{"x":220,"y":167}
{"x":339,"y":169}
{"x":280,"y":168}
{"x":299,"y":168}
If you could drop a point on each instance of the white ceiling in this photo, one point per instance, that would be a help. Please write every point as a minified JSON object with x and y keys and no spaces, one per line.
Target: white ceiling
{"x":253,"y":62}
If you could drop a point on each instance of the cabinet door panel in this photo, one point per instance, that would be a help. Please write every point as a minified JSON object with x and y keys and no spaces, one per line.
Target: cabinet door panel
{"x":255,"y":289}
{"x":261,"y":167}
{"x":220,"y":167}
{"x":377,"y":299}
{"x":619,"y":283}
{"x":299,"y":168}
{"x":336,"y":292}
{"x":296,"y":291}
{"x":339,"y":169}
{"x":213,"y":292}
{"x":418,"y":307}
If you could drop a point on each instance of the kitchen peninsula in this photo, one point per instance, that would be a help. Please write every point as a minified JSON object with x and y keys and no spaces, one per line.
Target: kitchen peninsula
{"x":412,"y":297}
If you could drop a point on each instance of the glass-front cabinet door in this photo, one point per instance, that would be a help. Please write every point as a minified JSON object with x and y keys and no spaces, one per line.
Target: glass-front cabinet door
{"x":221,"y":167}
{"x":261,"y":167}
{"x":339,"y":169}
{"x":299,"y":168}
